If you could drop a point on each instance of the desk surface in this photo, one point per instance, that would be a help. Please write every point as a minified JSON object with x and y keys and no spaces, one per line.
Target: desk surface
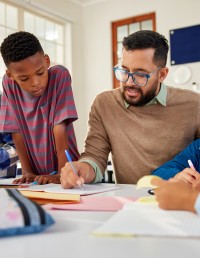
{"x":71,"y":237}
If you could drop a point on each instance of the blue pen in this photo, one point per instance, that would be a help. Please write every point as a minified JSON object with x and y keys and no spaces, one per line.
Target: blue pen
{"x":52,"y":173}
{"x":71,"y":164}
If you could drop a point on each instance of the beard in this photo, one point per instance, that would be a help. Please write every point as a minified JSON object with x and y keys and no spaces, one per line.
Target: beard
{"x":144,"y":98}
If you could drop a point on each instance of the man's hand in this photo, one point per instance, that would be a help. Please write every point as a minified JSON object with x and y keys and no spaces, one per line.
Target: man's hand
{"x":85,"y":174}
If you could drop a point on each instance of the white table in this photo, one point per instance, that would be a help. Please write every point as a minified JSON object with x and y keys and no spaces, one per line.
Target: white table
{"x":71,"y":237}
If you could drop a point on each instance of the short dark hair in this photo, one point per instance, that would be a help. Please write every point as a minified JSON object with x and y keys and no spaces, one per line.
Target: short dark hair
{"x":18,"y":46}
{"x":148,"y":39}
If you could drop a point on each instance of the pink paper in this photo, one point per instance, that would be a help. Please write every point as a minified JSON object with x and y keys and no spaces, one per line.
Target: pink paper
{"x":94,"y":203}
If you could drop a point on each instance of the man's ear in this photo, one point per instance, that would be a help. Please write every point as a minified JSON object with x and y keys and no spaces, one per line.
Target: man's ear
{"x":8,"y":72}
{"x":163,"y":73}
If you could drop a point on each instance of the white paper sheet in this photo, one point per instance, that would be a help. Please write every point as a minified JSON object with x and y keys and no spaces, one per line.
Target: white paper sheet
{"x":88,"y":189}
{"x":137,"y":219}
{"x":57,"y":188}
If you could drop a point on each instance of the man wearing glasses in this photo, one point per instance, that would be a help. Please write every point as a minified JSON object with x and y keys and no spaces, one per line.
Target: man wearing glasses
{"x":143,"y":123}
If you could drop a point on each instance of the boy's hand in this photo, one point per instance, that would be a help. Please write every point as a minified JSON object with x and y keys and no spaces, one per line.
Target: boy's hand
{"x":25,"y":179}
{"x":41,"y":179}
{"x":47,"y":179}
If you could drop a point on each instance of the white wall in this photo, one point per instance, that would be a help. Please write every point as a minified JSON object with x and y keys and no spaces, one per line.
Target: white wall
{"x":97,"y":59}
{"x":97,"y":34}
{"x":91,"y":42}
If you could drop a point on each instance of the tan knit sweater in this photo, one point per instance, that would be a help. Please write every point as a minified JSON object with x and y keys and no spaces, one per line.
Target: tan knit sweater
{"x":140,"y":138}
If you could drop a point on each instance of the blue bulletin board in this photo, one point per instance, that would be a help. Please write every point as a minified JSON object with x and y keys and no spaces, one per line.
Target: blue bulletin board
{"x":185,"y":45}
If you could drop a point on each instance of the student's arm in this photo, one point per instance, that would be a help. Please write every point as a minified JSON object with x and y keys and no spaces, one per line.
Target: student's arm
{"x":166,"y":171}
{"x":180,"y":162}
{"x":27,"y":172}
{"x":61,"y":143}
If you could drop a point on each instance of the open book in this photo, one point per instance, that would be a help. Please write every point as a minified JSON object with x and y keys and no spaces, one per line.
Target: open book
{"x":139,"y":219}
{"x":54,"y":193}
{"x":94,"y":203}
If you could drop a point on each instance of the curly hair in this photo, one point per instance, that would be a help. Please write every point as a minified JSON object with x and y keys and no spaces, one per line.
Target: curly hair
{"x":148,"y":39}
{"x":18,"y":46}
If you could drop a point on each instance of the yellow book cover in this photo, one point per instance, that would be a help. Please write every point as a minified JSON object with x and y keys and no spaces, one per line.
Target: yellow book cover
{"x":44,"y":197}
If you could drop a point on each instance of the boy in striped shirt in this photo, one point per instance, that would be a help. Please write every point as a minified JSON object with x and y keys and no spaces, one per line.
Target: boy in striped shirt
{"x":37,"y":108}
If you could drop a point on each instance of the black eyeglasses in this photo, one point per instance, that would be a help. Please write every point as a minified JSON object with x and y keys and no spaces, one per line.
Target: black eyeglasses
{"x":138,"y":78}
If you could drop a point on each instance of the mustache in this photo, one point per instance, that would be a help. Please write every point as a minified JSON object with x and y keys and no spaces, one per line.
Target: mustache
{"x":131,"y":88}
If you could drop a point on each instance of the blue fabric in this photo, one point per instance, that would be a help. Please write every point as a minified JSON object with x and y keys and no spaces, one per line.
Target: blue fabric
{"x":8,"y":161}
{"x":35,"y":218}
{"x":4,"y":159}
{"x":8,"y":156}
{"x":6,"y":138}
{"x":180,"y":161}
{"x":27,"y":229}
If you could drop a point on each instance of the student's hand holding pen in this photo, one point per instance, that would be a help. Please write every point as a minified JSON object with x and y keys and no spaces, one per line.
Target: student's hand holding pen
{"x":84,"y":174}
{"x":188,"y":175}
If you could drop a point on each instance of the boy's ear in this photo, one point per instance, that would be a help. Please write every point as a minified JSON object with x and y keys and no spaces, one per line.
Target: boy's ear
{"x":47,"y":60}
{"x":9,"y":74}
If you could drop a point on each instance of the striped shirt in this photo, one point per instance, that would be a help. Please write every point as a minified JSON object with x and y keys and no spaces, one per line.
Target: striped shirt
{"x":35,"y":117}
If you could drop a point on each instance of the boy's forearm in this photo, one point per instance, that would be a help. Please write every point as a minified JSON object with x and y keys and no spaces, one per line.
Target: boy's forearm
{"x":61,"y":143}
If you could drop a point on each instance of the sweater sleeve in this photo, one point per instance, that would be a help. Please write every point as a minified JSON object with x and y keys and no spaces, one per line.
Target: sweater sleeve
{"x":180,"y":162}
{"x":97,"y":144}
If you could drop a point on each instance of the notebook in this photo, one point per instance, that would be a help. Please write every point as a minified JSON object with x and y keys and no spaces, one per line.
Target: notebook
{"x":94,"y":203}
{"x":57,"y":188}
{"x":44,"y":198}
{"x":55,"y":194}
{"x":87,"y":189}
{"x":7,"y":183}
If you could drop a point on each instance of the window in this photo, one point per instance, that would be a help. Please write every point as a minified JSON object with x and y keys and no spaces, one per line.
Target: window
{"x":50,"y":35}
{"x":8,"y":24}
{"x":125,"y":27}
{"x":50,"y":32}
